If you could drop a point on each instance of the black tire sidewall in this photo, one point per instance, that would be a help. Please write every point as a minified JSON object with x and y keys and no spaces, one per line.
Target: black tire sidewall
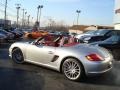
{"x":13,"y":56}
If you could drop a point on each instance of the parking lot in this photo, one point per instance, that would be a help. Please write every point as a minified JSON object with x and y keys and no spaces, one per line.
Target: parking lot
{"x":31,"y":77}
{"x":77,"y":38}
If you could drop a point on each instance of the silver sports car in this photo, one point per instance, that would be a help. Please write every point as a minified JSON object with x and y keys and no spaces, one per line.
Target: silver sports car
{"x":63,"y":54}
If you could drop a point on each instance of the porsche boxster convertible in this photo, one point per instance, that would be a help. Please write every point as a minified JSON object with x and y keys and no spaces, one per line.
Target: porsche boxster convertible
{"x":63,"y":54}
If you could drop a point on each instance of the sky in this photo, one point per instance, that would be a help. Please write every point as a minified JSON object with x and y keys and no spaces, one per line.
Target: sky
{"x":93,"y":12}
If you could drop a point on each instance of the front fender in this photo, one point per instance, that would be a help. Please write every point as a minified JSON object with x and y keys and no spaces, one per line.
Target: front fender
{"x":21,"y":46}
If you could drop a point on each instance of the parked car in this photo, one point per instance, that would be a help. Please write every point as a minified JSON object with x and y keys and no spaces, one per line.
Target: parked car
{"x":2,"y":38}
{"x":112,"y":44}
{"x":73,"y":34}
{"x":64,"y":34}
{"x":26,"y":31}
{"x":16,"y":33}
{"x":52,"y":33}
{"x":88,"y":33}
{"x":73,"y":60}
{"x":99,"y":35}
{"x":9,"y":35}
{"x":19,"y":32}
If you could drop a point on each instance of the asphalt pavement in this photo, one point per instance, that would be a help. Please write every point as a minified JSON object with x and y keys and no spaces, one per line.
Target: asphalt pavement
{"x":31,"y":77}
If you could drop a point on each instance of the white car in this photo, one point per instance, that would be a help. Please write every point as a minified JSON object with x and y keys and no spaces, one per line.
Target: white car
{"x":88,"y":33}
{"x":74,"y":60}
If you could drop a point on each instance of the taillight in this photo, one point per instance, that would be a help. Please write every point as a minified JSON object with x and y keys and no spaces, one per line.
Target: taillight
{"x":94,"y":57}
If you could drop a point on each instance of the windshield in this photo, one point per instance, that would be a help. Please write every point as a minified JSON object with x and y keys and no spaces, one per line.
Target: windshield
{"x":90,"y":32}
{"x":46,"y":40}
{"x":101,"y":32}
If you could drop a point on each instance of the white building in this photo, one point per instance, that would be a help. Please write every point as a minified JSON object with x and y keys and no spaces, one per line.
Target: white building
{"x":2,"y":22}
{"x":117,"y":15}
{"x":83,"y":28}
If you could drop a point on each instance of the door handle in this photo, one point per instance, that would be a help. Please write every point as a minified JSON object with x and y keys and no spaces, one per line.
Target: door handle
{"x":50,"y":52}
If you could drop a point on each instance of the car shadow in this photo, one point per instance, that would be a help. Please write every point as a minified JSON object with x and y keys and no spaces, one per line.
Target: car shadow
{"x":111,"y":78}
{"x":15,"y":79}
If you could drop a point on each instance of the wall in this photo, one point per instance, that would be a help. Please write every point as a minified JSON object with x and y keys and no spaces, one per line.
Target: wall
{"x":75,"y":31}
{"x":91,"y":28}
{"x":117,"y":26}
{"x":117,"y":15}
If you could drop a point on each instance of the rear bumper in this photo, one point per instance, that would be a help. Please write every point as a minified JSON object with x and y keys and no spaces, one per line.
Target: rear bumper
{"x":98,"y":72}
{"x":99,"y":68}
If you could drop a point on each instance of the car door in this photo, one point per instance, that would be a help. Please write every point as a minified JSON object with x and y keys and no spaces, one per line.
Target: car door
{"x":40,"y":53}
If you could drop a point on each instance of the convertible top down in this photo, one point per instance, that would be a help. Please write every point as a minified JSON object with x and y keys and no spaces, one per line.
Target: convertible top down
{"x":63,"y":54}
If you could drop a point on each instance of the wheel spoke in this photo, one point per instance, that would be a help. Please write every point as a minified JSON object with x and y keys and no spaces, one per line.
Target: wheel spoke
{"x":67,"y":64}
{"x":76,"y":73}
{"x":71,"y":75}
{"x":67,"y":70}
{"x":73,"y":64}
{"x":72,"y":69}
{"x":77,"y":69}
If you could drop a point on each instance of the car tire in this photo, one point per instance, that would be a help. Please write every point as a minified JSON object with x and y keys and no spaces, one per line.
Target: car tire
{"x":17,"y":56}
{"x":72,"y":69}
